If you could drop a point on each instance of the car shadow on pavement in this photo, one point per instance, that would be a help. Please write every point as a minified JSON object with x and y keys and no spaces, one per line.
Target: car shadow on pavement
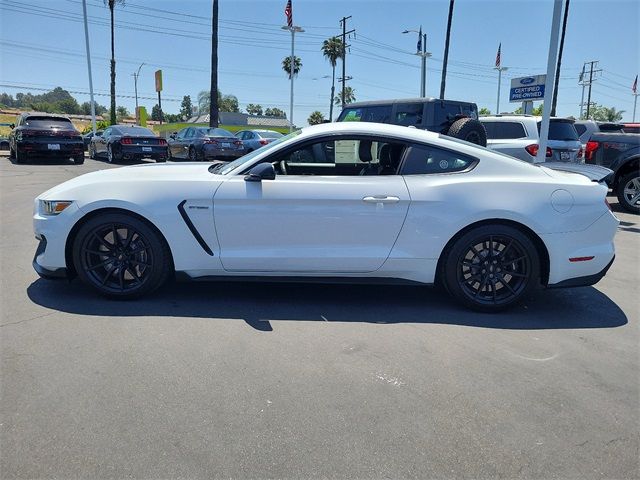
{"x":258,"y":304}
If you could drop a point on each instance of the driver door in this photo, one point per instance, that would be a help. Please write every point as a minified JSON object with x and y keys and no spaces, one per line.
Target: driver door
{"x":321,"y":218}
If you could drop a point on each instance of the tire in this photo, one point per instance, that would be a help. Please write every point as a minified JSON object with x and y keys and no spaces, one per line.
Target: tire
{"x":475,"y":265}
{"x":161,"y":160}
{"x":193,"y":156}
{"x":169,"y":155}
{"x":470,"y":130}
{"x":21,"y":157}
{"x":121,"y":256}
{"x":628,"y":192}
{"x":12,"y":153}
{"x":92,"y":152}
{"x":78,"y":160}
{"x":111,"y":156}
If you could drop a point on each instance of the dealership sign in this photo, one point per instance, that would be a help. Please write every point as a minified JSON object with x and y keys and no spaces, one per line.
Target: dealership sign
{"x":527,"y":89}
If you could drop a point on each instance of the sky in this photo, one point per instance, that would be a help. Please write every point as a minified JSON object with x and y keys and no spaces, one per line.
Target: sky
{"x":42,"y":46}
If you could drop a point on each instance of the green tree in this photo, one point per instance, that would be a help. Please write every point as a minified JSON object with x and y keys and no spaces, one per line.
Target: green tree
{"x":297,"y":65}
{"x":156,"y":113}
{"x":186,"y":109}
{"x":275,"y":112}
{"x":349,"y":96}
{"x":315,"y":118}
{"x":112,"y":5}
{"x":537,"y":111}
{"x":332,"y":49}
{"x":121,"y":113}
{"x":226,"y":103}
{"x":604,"y":114}
{"x":484,"y":111}
{"x":253,"y":109}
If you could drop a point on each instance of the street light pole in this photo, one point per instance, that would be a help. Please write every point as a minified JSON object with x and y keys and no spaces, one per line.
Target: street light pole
{"x":293,"y":29}
{"x":135,"y":85}
{"x":86,"y":37}
{"x":422,"y":52}
{"x":500,"y":70}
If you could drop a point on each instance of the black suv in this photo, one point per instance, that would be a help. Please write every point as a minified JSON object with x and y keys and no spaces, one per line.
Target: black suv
{"x":45,"y":135}
{"x":449,"y":117}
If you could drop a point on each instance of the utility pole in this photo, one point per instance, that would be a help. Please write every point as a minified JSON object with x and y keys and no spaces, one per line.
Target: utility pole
{"x":582,"y":82}
{"x":446,"y":52}
{"x":557,"y":80}
{"x":213,"y":89}
{"x":86,"y":37}
{"x":591,"y":80}
{"x":343,"y":22}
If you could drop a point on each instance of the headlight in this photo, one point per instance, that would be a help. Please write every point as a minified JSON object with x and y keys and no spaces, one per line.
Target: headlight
{"x":53,"y":207}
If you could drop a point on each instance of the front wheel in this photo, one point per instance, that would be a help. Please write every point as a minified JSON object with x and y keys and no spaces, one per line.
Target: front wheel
{"x":193,"y":156}
{"x":628,"y":192}
{"x":78,"y":159}
{"x":491,"y":268}
{"x":121,"y":256}
{"x":21,"y":156}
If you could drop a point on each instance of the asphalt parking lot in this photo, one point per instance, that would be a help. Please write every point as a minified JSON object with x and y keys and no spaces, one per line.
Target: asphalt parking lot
{"x":217,"y":380}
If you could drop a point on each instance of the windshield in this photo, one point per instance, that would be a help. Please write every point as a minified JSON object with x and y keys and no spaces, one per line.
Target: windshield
{"x":224,"y":169}
{"x":49,"y":122}
{"x":561,"y":131}
{"x":216,"y":132}
{"x":135,"y":131}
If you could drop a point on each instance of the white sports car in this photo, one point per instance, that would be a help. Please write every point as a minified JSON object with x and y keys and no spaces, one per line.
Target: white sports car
{"x":349,"y":202}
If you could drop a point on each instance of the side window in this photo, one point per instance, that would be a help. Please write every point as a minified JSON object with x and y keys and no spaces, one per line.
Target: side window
{"x":107,"y":132}
{"x":242,"y":135}
{"x":426,"y":159}
{"x":580,"y":128}
{"x":504,"y":130}
{"x":189,"y":133}
{"x":180,"y":134}
{"x":409,"y":114}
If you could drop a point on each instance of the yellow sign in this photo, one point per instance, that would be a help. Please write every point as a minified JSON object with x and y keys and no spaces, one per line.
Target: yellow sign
{"x":158,"y":80}
{"x":142,"y":116}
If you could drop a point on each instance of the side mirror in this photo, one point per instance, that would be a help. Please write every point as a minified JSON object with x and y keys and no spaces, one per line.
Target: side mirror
{"x":262,"y":171}
{"x":12,"y":126}
{"x":173,"y":135}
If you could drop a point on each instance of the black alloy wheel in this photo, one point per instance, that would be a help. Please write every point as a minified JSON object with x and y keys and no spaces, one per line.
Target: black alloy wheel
{"x":121,"y":256}
{"x":113,"y":156}
{"x":92,"y":151}
{"x":492,"y":268}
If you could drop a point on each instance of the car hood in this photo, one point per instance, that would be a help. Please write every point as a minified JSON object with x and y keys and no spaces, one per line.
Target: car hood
{"x":146,"y":173}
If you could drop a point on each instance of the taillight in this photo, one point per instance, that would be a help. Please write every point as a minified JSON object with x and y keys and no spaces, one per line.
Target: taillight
{"x":238,"y":143}
{"x":162,"y":142}
{"x":126,"y":141}
{"x":263,"y":141}
{"x":591,"y":149}
{"x":533,"y":150}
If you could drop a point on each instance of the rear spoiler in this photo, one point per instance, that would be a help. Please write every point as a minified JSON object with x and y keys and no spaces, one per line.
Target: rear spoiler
{"x":595,"y":173}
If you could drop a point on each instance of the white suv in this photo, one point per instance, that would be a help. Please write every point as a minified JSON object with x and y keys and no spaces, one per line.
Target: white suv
{"x":518,"y":136}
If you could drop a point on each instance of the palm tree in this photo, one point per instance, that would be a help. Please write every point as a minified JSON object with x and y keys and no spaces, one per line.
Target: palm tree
{"x":349,"y":96}
{"x":611,"y":114}
{"x":315,"y":118}
{"x":332,"y":51}
{"x":286,"y":65}
{"x":112,"y":5}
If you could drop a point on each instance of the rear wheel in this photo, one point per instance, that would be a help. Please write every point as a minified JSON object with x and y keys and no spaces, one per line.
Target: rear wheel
{"x":78,"y":159}
{"x":628,"y":192}
{"x":470,"y":130}
{"x":92,"y":152}
{"x":193,"y":156}
{"x":491,"y":268}
{"x":112,"y":155}
{"x":121,"y":256}
{"x":21,"y":156}
{"x":12,"y":153}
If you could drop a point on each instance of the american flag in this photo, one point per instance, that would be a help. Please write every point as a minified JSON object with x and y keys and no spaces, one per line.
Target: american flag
{"x":288,"y":11}
{"x":498,"y":56}
{"x":634,"y":87}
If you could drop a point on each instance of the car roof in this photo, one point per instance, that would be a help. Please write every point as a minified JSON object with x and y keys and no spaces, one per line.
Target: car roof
{"x":402,"y":100}
{"x":42,"y":114}
{"x":513,"y":117}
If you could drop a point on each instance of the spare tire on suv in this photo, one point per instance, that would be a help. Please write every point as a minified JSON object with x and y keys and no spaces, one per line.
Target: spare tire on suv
{"x":470,"y":130}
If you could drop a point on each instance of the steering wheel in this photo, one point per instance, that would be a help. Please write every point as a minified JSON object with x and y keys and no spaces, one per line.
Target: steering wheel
{"x":283,"y":167}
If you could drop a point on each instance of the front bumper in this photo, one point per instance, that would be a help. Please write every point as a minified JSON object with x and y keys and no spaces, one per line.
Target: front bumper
{"x":48,"y":273}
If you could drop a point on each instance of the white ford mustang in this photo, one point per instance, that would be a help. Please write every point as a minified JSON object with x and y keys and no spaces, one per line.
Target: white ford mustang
{"x":337,"y":202}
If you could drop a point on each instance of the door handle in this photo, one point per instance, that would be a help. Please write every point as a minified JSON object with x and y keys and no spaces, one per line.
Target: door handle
{"x":380,"y":199}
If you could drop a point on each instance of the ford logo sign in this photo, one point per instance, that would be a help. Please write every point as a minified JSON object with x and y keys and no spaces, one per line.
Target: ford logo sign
{"x":527,"y":80}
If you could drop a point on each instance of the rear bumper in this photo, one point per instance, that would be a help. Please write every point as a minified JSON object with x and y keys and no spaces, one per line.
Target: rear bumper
{"x":595,"y":244}
{"x":52,"y":147}
{"x":151,"y":151}
{"x":210,"y":152}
